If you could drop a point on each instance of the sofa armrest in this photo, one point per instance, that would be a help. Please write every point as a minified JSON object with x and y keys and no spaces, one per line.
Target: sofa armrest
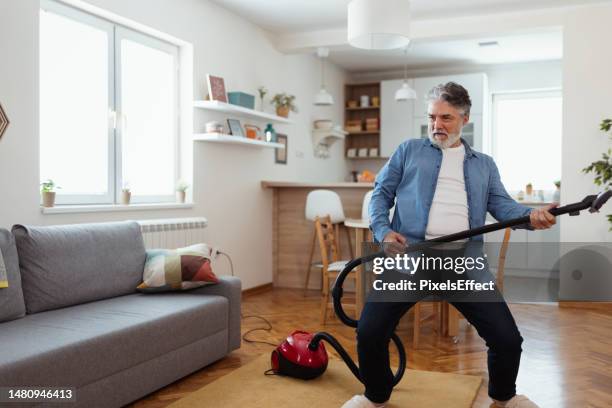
{"x":229,"y":287}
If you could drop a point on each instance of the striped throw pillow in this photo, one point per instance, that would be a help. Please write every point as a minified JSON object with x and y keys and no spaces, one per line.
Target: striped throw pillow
{"x":177,"y":269}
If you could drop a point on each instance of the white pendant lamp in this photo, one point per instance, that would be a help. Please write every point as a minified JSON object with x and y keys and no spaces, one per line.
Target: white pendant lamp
{"x":405,"y":93}
{"x":379,"y":24}
{"x":323,"y":98}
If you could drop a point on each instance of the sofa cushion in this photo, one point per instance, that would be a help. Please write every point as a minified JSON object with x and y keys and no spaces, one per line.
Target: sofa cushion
{"x":71,"y":264}
{"x":11,"y":298}
{"x":177,"y":269}
{"x":82,"y":344}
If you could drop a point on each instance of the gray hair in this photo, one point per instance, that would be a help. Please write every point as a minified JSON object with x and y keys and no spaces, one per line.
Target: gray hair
{"x":453,"y":93}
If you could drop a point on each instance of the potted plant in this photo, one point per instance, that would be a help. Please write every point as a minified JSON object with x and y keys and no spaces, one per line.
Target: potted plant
{"x":262,"y":93}
{"x":181,"y":191}
{"x":126,"y":195}
{"x":602,"y":169}
{"x":557,"y":193}
{"x":284,"y":103}
{"x":48,"y":194}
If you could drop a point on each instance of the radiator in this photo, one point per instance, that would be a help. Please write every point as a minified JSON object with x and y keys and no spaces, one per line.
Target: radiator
{"x":173,"y":233}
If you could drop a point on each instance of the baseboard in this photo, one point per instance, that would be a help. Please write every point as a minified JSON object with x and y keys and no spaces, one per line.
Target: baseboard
{"x":600,"y":306}
{"x":256,"y":290}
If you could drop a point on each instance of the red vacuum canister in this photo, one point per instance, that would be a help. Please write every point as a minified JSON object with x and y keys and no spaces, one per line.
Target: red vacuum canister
{"x":293,"y":357}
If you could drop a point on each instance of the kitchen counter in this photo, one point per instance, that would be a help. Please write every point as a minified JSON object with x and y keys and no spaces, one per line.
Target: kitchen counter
{"x":339,"y":184}
{"x":292,"y":233}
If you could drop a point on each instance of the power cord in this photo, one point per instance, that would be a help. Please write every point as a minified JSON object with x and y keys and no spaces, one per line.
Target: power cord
{"x":269,"y":325}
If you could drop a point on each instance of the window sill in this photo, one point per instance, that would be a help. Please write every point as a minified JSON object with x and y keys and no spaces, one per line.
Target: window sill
{"x":71,"y":209}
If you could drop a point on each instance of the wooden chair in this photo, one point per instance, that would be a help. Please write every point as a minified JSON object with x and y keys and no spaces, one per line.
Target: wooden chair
{"x":320,"y":203}
{"x":448,"y":317}
{"x":330,"y":265}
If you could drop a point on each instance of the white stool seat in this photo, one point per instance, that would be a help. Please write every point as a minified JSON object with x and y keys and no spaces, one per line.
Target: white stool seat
{"x":320,"y":203}
{"x":337,"y":266}
{"x":365,"y":207}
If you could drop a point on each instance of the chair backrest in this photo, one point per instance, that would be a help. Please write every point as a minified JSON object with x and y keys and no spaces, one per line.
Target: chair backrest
{"x":320,"y":203}
{"x":365,"y":207}
{"x":328,"y":242}
{"x":365,"y":213}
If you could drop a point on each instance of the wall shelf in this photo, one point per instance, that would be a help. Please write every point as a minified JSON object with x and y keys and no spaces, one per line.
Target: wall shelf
{"x":368,"y":158}
{"x":229,"y":139}
{"x":239,"y":110}
{"x":365,"y":132}
{"x":359,"y":108}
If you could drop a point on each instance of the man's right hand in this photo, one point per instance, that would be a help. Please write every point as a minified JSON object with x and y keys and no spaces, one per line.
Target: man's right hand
{"x":394,"y":243}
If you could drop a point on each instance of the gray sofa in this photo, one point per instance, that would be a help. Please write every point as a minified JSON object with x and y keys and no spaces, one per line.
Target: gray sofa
{"x":71,"y":316}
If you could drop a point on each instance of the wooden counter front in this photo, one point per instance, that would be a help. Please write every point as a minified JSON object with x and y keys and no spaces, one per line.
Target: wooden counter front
{"x":292,"y":233}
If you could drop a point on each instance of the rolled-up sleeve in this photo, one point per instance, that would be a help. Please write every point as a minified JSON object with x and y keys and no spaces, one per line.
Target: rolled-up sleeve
{"x":383,"y":197}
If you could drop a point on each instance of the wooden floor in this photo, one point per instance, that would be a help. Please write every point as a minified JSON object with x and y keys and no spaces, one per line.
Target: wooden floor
{"x":566,"y":362}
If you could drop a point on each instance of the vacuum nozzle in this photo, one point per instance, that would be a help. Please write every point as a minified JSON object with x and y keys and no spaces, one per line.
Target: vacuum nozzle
{"x":600,"y":201}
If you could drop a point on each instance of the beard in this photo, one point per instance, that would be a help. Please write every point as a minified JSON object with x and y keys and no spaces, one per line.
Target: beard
{"x":451,"y":139}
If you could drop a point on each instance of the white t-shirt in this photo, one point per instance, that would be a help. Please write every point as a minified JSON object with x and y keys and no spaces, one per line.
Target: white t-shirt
{"x":449,"y":209}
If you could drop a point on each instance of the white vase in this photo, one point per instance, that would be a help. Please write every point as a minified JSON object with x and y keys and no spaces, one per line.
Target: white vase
{"x":125,"y":197}
{"x":180,"y":196}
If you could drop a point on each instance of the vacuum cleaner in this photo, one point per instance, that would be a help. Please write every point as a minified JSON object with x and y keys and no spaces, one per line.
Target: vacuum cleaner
{"x":303,"y":355}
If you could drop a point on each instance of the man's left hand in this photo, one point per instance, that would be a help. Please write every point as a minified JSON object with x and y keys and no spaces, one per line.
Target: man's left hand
{"x":541,"y":218}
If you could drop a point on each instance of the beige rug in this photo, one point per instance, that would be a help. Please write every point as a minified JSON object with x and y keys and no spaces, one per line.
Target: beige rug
{"x":247,"y":386}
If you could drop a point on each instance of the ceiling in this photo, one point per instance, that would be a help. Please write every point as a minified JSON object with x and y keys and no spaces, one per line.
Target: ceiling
{"x":290,"y":16}
{"x":515,"y":48}
{"x":287,"y":17}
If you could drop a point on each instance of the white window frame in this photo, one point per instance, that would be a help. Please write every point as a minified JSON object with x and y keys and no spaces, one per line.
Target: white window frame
{"x":144,"y":39}
{"x":523,"y":94}
{"x":116,"y":32}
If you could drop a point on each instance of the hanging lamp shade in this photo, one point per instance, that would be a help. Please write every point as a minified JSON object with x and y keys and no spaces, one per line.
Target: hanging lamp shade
{"x":323,"y":98}
{"x":405,"y":93}
{"x":379,"y":24}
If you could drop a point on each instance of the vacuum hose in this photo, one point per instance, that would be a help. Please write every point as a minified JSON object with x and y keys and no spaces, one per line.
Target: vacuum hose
{"x":592,"y":202}
{"x":337,"y":292}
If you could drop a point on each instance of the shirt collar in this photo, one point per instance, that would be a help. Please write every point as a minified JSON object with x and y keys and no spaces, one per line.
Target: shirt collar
{"x":468,"y":149}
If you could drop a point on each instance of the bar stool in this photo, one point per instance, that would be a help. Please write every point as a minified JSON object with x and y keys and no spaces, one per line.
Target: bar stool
{"x":320,"y":203}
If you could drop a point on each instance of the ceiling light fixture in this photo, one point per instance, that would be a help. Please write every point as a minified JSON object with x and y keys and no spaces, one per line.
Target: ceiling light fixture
{"x":379,"y":24}
{"x":405,"y":93}
{"x":323,"y":98}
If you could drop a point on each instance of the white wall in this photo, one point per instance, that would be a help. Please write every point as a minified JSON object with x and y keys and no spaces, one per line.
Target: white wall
{"x":587,"y":92}
{"x":226,"y":178}
{"x":501,"y":78}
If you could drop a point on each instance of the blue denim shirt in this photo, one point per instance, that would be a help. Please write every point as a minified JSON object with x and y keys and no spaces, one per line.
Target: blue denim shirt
{"x":410,"y":177}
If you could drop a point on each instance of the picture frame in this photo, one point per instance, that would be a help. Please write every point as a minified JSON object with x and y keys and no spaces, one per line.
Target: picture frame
{"x":216,"y":88}
{"x":235,"y":128}
{"x":280,"y":155}
{"x":4,"y":121}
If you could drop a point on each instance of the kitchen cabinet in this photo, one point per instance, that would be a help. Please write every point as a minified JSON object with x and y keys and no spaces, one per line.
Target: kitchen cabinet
{"x":396,"y":118}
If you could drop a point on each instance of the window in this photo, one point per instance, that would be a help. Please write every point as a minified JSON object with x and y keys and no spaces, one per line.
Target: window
{"x":108,"y":109}
{"x":526,"y":141}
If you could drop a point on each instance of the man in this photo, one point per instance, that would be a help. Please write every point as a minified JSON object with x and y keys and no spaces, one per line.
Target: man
{"x":441,"y":186}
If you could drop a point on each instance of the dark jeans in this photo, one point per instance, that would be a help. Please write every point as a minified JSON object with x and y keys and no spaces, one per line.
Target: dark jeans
{"x":492,"y":320}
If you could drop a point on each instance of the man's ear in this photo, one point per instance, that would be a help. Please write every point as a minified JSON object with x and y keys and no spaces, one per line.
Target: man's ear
{"x":466,"y":119}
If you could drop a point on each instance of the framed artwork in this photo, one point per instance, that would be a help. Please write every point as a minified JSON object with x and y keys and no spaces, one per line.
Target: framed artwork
{"x":280,"y":155}
{"x":235,"y":127}
{"x":216,"y":88}
{"x":4,"y":122}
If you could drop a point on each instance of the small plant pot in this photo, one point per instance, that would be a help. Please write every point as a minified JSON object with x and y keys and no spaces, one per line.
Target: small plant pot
{"x":180,"y":196}
{"x":282,"y":111}
{"x":48,"y":198}
{"x":125,"y":197}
